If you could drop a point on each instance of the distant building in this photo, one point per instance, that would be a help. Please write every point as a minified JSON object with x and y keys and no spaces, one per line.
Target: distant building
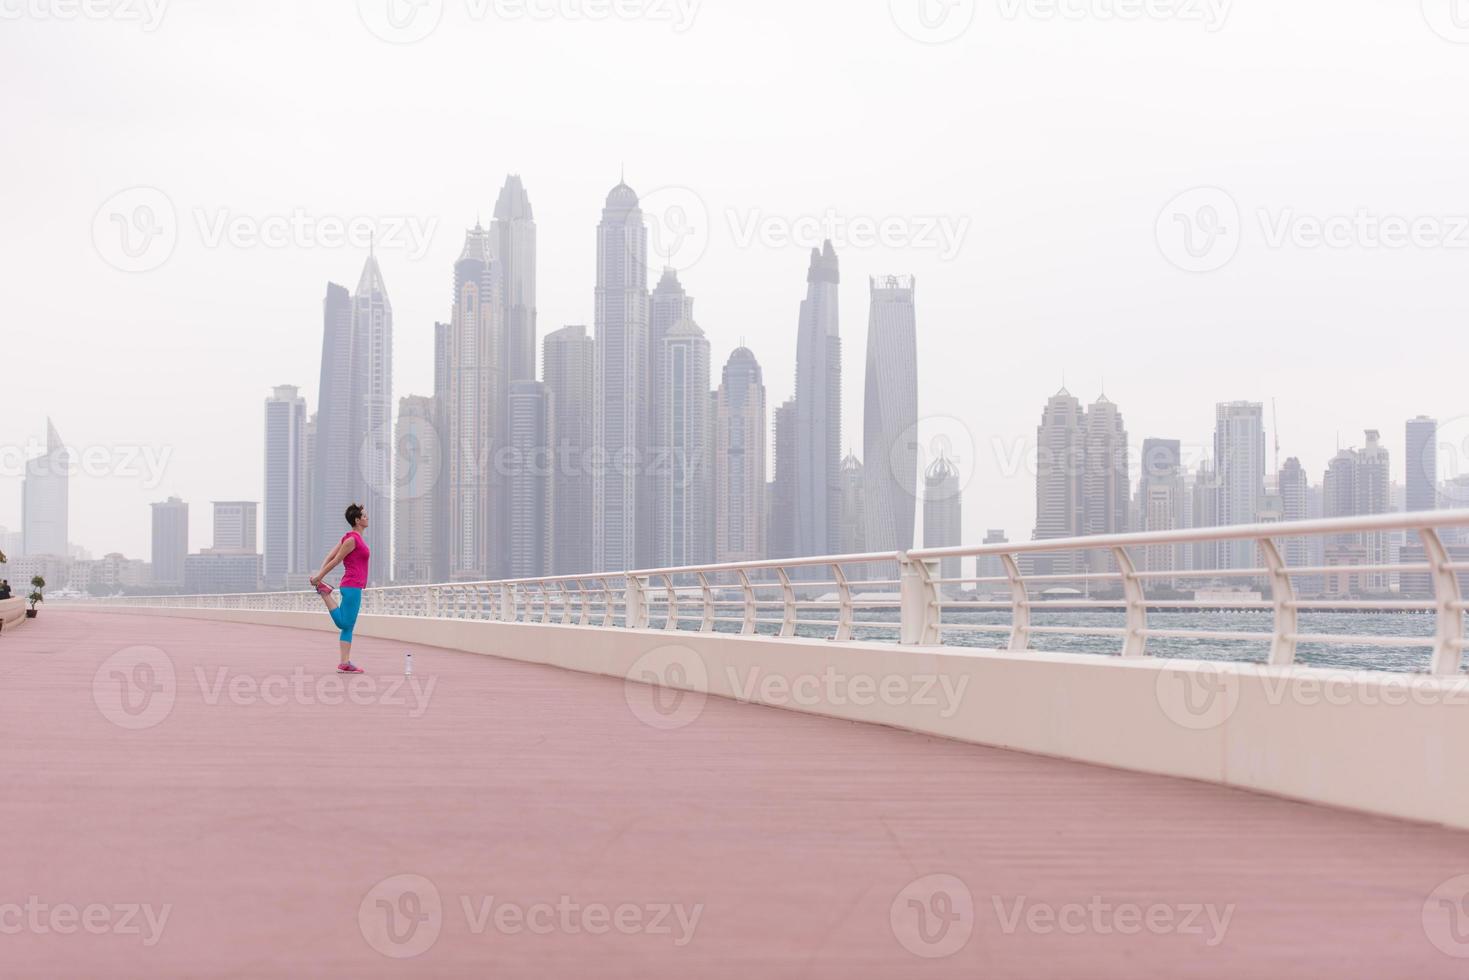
{"x":817,"y":411}
{"x":235,"y":527}
{"x":1239,"y":455}
{"x":784,"y":489}
{"x":473,"y":380}
{"x":214,"y":572}
{"x":530,"y":482}
{"x":170,"y":541}
{"x":1104,"y":481}
{"x":1295,"y":500}
{"x":1161,"y":496}
{"x":943,"y":517}
{"x":416,"y":464}
{"x":992,"y":566}
{"x":570,"y":359}
{"x":739,"y":460}
{"x":286,"y":493}
{"x":853,"y":511}
{"x":1060,"y":462}
{"x":890,"y":415}
{"x":683,"y":461}
{"x":44,"y":498}
{"x":1356,"y":484}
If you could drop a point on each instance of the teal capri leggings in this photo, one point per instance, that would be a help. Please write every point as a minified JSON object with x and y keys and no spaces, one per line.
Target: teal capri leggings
{"x":345,"y":615}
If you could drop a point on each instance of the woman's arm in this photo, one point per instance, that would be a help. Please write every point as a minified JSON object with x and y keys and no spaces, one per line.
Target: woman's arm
{"x":343,"y":548}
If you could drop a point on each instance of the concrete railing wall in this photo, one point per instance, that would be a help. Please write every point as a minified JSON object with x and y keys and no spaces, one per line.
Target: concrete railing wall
{"x":1383,"y":743}
{"x":12,"y":613}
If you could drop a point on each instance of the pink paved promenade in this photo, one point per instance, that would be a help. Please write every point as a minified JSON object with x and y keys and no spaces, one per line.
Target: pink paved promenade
{"x":521,"y":821}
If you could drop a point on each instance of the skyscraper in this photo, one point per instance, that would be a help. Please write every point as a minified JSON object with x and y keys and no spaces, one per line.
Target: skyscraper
{"x":943,"y":516}
{"x":335,"y":468}
{"x":818,"y":410}
{"x":170,"y":541}
{"x":286,"y":495}
{"x":1295,"y":502}
{"x":514,"y":233}
{"x":782,"y":514}
{"x":471,"y":416}
{"x":1239,"y":456}
{"x":853,"y":539}
{"x":45,"y":498}
{"x":416,"y":466}
{"x":1422,"y":463}
{"x":682,"y":465}
{"x":443,"y":383}
{"x":530,"y":484}
{"x":621,"y":518}
{"x":1104,"y":477}
{"x":739,"y":460}
{"x":372,"y":333}
{"x":1060,"y":454}
{"x":1357,"y":482}
{"x":1161,"y":502}
{"x":890,"y":415}
{"x":569,"y":361}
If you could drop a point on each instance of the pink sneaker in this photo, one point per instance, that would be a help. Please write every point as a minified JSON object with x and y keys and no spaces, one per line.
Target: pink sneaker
{"x":323,"y":588}
{"x":350,"y":668}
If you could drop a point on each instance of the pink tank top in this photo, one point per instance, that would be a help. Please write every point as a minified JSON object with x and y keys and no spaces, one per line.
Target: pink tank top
{"x":354,"y":575}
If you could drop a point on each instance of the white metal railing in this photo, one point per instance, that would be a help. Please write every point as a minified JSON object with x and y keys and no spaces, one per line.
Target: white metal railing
{"x":904,"y":598}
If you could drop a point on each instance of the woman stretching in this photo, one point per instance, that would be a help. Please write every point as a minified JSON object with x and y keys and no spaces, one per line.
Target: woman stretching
{"x":352,"y":554}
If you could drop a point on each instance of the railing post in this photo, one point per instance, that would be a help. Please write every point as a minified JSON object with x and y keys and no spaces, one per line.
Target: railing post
{"x":508,"y":611}
{"x":707,"y":624}
{"x":636,"y":615}
{"x":1448,"y":644}
{"x":1283,"y":595}
{"x":1136,"y":643}
{"x":671,"y":622}
{"x":788,"y":604}
{"x":844,"y":604}
{"x":747,"y":626}
{"x":1019,"y":604}
{"x":917,"y":603}
{"x":608,"y":607}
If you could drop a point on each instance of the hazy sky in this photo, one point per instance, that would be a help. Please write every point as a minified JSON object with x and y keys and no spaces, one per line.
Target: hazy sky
{"x":1023,"y":170}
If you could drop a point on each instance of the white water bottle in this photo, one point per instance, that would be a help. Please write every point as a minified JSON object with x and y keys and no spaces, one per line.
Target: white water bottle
{"x":407,"y":663}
